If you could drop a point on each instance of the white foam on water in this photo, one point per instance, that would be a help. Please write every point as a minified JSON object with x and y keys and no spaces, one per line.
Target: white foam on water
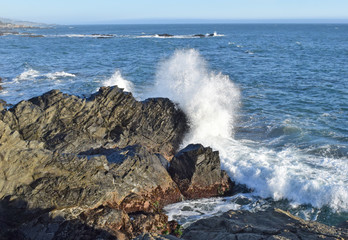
{"x":29,"y":74}
{"x":83,"y":35}
{"x":189,"y":211}
{"x":117,"y":79}
{"x":211,"y":101}
{"x":190,"y":36}
{"x":56,"y":75}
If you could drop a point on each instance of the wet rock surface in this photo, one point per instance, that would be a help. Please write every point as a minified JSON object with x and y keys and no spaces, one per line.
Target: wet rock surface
{"x":270,"y":224}
{"x":197,"y":172}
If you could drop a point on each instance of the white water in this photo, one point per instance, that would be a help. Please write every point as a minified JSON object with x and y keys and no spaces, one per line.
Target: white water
{"x":117,"y":79}
{"x":27,"y":75}
{"x":211,"y":101}
{"x":56,"y":75}
{"x":32,"y":74}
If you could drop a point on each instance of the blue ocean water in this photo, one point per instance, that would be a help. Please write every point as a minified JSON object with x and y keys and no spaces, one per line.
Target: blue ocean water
{"x":272,"y":98}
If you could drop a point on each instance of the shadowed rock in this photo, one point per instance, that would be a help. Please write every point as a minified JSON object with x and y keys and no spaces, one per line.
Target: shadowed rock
{"x":197,"y":172}
{"x":270,"y":224}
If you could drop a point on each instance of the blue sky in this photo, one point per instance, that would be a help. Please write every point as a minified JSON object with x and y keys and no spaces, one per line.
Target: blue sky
{"x":117,"y":11}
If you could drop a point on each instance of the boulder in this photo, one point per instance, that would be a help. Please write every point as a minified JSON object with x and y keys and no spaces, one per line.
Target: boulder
{"x":197,"y":172}
{"x":270,"y":224}
{"x":110,"y":118}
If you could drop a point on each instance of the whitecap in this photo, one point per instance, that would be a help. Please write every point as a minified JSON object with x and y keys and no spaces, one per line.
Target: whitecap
{"x":56,"y":75}
{"x":27,"y":75}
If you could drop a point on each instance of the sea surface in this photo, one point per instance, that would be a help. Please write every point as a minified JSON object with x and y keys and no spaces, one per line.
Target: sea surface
{"x":271,"y":98}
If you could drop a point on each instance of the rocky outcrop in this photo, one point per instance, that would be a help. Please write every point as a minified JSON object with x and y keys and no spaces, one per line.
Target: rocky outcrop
{"x":271,"y":224}
{"x":36,"y":181}
{"x":110,"y":118}
{"x":72,"y":167}
{"x":197,"y":172}
{"x":97,"y":168}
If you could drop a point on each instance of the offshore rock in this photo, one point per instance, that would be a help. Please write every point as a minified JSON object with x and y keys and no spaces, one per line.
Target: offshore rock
{"x":110,"y":118}
{"x":270,"y":224}
{"x":197,"y":172}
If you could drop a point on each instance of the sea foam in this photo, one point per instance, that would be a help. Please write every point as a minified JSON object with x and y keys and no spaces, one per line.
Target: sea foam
{"x":27,"y":74}
{"x":211,"y":101}
{"x":31,"y":74}
{"x":56,"y":75}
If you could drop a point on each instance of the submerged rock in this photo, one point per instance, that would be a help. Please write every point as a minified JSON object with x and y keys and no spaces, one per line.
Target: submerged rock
{"x":197,"y":172}
{"x":270,"y":224}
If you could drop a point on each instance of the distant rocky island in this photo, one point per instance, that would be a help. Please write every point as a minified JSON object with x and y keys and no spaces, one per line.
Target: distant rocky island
{"x":6,"y":23}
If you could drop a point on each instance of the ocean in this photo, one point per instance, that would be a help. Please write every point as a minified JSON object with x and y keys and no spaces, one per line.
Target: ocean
{"x":271,"y":98}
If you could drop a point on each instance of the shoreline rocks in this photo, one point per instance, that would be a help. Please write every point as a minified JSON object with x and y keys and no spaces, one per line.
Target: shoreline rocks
{"x":101,"y":168}
{"x":197,"y":172}
{"x":88,"y":167}
{"x":109,"y":118}
{"x":270,"y":224}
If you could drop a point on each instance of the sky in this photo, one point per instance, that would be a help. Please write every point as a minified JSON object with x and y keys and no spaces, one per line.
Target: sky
{"x":162,"y":11}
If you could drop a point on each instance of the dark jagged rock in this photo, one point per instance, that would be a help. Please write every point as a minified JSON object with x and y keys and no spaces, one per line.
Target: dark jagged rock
{"x":197,"y":172}
{"x":110,"y":118}
{"x":36,"y":181}
{"x":270,"y":224}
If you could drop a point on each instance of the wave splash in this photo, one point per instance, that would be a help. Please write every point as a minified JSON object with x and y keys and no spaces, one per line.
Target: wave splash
{"x":211,"y":101}
{"x":117,"y":79}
